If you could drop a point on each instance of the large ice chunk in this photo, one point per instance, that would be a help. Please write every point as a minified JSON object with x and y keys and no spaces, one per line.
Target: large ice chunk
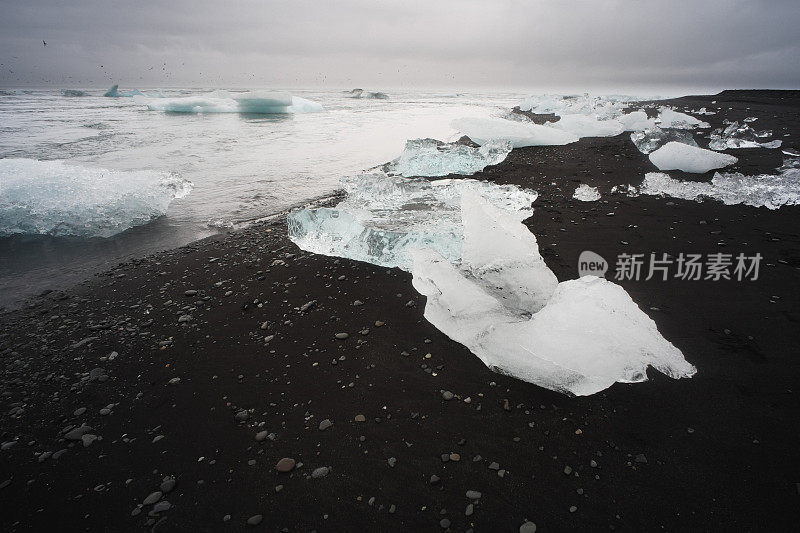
{"x":652,"y":139}
{"x":669,"y":118}
{"x":429,"y":157}
{"x":740,"y":136}
{"x":770,"y":191}
{"x":588,"y":126}
{"x":585,"y":193}
{"x":577,"y":337}
{"x":261,"y":102}
{"x":636,"y":121}
{"x":483,"y":130}
{"x":56,"y":198}
{"x":383,"y":217}
{"x":603,"y":107}
{"x":679,"y":156}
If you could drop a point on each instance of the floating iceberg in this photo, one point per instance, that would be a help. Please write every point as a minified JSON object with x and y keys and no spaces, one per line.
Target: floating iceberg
{"x":483,"y":130}
{"x":261,"y":102}
{"x":652,"y":139}
{"x":770,"y":191}
{"x":679,"y":156}
{"x":669,"y":118}
{"x":383,"y":217}
{"x":503,"y":303}
{"x":429,"y":157}
{"x":72,"y":92}
{"x":361,"y":93}
{"x":56,"y":198}
{"x":588,"y":126}
{"x":585,"y":193}
{"x":114,"y":92}
{"x":744,"y":136}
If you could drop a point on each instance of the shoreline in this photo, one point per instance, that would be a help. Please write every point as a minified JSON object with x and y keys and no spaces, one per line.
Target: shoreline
{"x":711,"y":452}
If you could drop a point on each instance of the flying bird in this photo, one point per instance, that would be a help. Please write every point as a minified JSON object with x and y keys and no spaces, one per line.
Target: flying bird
{"x":44,"y":42}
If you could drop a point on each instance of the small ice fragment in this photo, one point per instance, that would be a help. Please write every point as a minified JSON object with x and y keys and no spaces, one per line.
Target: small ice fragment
{"x":585,"y":193}
{"x":679,"y":156}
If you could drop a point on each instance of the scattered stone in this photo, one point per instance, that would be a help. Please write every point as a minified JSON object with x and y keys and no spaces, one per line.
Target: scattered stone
{"x":261,"y":435}
{"x":447,"y":395}
{"x":469,"y":510}
{"x":320,"y":472}
{"x":153,"y":497}
{"x":342,"y":336}
{"x":392,"y":461}
{"x":285,"y":465}
{"x":444,"y":523}
{"x":473,"y":495}
{"x":325,"y":424}
{"x":241,"y":416}
{"x":162,"y":506}
{"x":641,"y":458}
{"x":360,"y":418}
{"x":527,"y":527}
{"x":255,"y":520}
{"x":435,"y":480}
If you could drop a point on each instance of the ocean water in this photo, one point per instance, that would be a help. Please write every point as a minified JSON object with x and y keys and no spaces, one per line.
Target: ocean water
{"x":242,"y":166}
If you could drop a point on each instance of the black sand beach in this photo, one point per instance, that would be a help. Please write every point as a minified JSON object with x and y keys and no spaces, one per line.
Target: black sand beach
{"x":193,"y":392}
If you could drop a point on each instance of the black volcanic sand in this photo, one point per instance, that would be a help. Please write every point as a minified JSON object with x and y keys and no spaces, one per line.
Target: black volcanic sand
{"x":187,"y":399}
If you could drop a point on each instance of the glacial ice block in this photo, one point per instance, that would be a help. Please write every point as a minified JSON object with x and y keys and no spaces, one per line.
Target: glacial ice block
{"x":429,"y":157}
{"x":770,"y":191}
{"x":679,"y":156}
{"x":585,"y":193}
{"x":740,"y":136}
{"x":669,"y":118}
{"x":636,"y":121}
{"x":483,"y":130}
{"x":114,"y":92}
{"x":56,"y":198}
{"x":588,"y":126}
{"x":652,"y":139}
{"x":261,"y":102}
{"x":577,"y":337}
{"x":383,"y":217}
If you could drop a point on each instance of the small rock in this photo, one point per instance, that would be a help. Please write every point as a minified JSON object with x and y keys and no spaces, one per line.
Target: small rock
{"x":255,"y":520}
{"x":473,"y":495}
{"x":320,"y":472}
{"x":325,"y":424}
{"x":527,"y":527}
{"x":153,"y":497}
{"x":360,"y":418}
{"x":342,"y":336}
{"x":447,"y":395}
{"x":285,"y":465}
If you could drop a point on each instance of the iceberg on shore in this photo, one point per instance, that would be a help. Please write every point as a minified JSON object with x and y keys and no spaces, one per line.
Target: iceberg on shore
{"x":679,"y":156}
{"x":59,"y":199}
{"x":744,"y":136}
{"x":72,"y":93}
{"x":429,"y":157}
{"x":636,"y":121}
{"x":503,"y":303}
{"x":770,"y":191}
{"x":259,"y":102}
{"x":669,"y":118}
{"x":588,"y":126}
{"x":487,"y":285}
{"x":383,"y":217}
{"x":652,"y":139}
{"x":521,"y":134}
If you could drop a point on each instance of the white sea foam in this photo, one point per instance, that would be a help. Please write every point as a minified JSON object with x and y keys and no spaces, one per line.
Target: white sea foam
{"x":57,"y":198}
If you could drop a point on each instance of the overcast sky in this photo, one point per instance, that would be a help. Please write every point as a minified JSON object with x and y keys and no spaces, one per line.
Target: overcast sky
{"x":613,"y":46}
